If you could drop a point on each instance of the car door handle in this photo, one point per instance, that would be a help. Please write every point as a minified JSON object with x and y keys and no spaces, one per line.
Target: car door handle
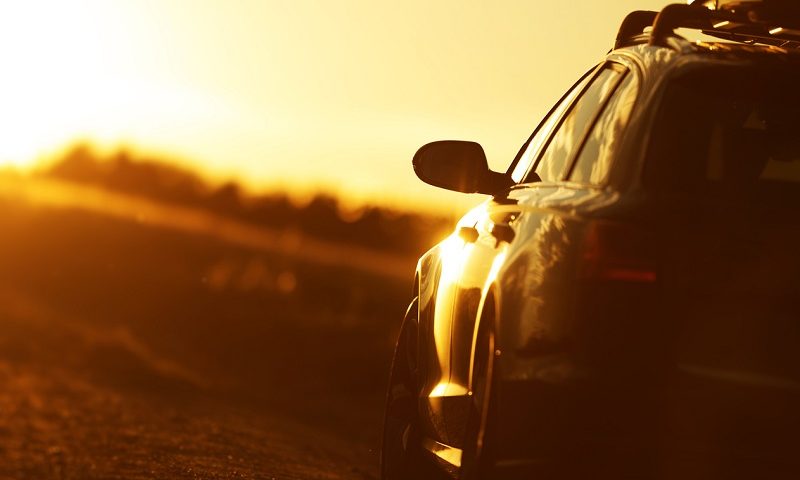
{"x":468,"y":234}
{"x":502,"y":232}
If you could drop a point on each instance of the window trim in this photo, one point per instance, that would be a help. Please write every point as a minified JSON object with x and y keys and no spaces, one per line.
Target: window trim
{"x":624,"y":70}
{"x":524,"y":147}
{"x":625,"y":74}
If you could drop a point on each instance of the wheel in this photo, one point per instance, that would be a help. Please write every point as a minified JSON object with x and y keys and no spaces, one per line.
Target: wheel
{"x":478,"y":455}
{"x":401,"y":453}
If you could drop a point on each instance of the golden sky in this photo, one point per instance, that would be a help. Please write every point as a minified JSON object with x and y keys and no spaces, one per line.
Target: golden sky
{"x":333,"y":94}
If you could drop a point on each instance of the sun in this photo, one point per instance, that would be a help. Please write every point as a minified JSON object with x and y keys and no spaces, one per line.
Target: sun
{"x":55,"y":71}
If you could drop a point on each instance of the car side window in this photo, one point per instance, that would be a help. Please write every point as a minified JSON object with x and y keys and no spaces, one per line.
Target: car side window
{"x":553,"y":162}
{"x":594,"y":160}
{"x":534,"y":145}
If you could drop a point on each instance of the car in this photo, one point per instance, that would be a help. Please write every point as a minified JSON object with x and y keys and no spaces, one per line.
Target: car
{"x":626,"y":302}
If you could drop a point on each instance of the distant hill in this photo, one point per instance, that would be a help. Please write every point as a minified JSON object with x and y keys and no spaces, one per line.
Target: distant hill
{"x":153,"y":178}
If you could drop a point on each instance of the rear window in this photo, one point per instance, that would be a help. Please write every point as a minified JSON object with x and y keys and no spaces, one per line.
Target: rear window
{"x":727,"y":129}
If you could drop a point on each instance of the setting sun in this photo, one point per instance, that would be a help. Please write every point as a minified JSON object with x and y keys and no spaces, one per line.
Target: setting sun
{"x":59,"y":76}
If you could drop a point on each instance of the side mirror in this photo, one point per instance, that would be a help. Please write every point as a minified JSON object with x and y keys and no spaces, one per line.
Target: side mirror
{"x":460,"y":166}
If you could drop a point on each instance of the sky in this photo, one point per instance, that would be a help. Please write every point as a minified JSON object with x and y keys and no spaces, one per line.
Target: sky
{"x":302,"y":95}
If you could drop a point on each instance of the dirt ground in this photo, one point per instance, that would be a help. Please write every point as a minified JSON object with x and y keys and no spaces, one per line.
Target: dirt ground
{"x":131,"y":349}
{"x":65,"y":428}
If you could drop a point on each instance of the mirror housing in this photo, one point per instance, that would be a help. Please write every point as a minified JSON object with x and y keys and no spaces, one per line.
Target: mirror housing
{"x":460,"y":166}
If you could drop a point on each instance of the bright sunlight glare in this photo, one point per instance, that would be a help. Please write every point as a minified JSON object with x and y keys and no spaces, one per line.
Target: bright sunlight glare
{"x":57,"y":67}
{"x":75,"y":74}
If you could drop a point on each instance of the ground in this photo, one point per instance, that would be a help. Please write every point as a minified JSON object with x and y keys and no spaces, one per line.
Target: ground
{"x":133,"y":346}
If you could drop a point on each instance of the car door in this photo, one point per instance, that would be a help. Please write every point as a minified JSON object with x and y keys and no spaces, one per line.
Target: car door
{"x":537,"y":285}
{"x":512,"y":225}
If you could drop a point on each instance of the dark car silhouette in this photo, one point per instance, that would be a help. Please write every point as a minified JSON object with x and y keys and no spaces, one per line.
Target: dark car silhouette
{"x":626,"y":304}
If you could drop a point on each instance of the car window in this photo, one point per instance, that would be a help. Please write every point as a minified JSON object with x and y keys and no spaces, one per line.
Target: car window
{"x":597,"y":153}
{"x":534,"y":145}
{"x":553,"y":162}
{"x":728,"y":130}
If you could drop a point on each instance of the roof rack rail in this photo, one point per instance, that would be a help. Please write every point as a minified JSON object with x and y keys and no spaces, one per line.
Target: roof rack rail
{"x":634,"y":24}
{"x":771,"y":23}
{"x":676,"y":16}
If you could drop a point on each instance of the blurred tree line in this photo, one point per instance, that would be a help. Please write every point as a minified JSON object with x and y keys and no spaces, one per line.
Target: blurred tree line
{"x":158,"y":179}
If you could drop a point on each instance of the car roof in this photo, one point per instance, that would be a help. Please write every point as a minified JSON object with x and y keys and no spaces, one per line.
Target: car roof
{"x":707,"y":50}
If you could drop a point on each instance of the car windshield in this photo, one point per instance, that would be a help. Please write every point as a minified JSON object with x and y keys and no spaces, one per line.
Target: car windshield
{"x":728,"y":129}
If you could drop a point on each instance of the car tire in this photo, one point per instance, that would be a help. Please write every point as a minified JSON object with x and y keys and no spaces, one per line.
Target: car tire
{"x":401,"y":452}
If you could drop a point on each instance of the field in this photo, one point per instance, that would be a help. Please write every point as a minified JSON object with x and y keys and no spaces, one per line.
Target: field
{"x":140,"y":339}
